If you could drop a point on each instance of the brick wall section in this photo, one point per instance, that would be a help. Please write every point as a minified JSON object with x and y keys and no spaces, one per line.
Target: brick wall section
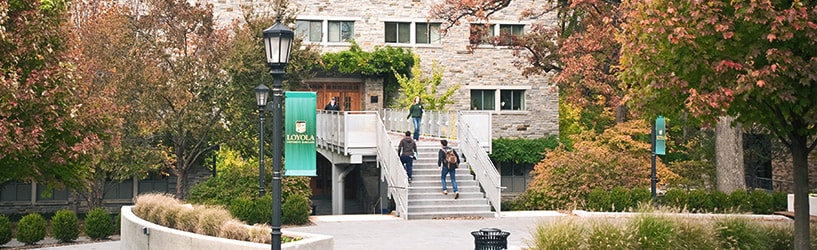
{"x":484,"y":67}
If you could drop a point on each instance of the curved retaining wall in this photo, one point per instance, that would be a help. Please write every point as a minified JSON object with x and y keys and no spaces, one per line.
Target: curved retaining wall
{"x":139,"y":234}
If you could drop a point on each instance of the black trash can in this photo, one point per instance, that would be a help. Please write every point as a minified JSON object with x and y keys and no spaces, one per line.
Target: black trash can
{"x":490,"y":239}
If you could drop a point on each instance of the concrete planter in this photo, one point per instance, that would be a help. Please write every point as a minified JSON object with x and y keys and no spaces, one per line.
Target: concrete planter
{"x":137,"y":233}
{"x":812,"y":205}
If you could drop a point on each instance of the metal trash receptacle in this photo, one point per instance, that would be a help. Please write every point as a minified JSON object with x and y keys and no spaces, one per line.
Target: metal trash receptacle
{"x":490,"y":239}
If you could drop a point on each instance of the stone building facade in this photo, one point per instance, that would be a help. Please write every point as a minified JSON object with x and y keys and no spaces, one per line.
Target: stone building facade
{"x":487,"y":76}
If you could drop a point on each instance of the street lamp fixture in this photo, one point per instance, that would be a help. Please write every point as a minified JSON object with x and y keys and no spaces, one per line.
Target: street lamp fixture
{"x":261,"y":92}
{"x":277,"y":45}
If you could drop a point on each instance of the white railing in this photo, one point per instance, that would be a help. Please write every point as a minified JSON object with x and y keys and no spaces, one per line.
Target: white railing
{"x":392,"y":171}
{"x":349,"y":132}
{"x":477,"y":158}
{"x":440,"y":124}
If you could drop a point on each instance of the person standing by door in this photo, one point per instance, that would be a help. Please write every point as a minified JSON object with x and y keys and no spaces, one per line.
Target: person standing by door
{"x":416,"y":114}
{"x":407,"y":150}
{"x":448,"y":161}
{"x":332,"y":105}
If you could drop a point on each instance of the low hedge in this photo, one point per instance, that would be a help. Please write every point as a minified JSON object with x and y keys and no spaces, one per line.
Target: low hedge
{"x":697,"y":201}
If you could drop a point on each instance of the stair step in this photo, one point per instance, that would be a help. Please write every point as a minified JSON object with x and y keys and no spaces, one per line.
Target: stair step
{"x":444,"y":215}
{"x":448,"y":201}
{"x":449,"y":209}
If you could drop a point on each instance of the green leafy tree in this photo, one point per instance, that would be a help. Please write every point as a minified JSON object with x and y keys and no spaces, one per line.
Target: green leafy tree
{"x":753,"y":60}
{"x":246,"y":67}
{"x":426,"y":87}
{"x":177,"y":82}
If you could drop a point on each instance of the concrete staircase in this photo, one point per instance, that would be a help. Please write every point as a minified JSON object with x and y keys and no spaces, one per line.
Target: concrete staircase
{"x":425,"y":197}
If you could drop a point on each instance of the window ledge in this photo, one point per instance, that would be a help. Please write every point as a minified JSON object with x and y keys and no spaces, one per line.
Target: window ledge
{"x":511,"y":112}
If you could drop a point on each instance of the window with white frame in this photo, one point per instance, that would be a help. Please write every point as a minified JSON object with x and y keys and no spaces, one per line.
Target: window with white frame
{"x":427,"y":33}
{"x":497,"y":34}
{"x":498,"y":99}
{"x":412,"y":32}
{"x":336,"y":31}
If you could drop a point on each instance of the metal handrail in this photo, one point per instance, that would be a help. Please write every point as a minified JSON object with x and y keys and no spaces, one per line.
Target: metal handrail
{"x":392,"y":171}
{"x":484,"y":169}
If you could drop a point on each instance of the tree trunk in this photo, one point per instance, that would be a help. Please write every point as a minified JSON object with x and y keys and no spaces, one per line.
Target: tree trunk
{"x":729,"y":155}
{"x":621,"y":114}
{"x":799,"y":155}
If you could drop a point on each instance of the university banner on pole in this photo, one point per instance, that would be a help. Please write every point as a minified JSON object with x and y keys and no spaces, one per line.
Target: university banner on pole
{"x":299,"y":139}
{"x":660,"y":136}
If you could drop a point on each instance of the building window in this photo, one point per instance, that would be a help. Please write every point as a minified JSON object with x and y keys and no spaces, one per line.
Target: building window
{"x":508,"y":99}
{"x":336,"y":31}
{"x":311,"y":30}
{"x":398,"y":32}
{"x":483,"y":99}
{"x":482,"y":34}
{"x":427,"y":33}
{"x":512,"y":99}
{"x":341,"y":31}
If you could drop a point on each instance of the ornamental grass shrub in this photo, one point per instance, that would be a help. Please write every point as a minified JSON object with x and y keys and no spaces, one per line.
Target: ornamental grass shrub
{"x":661,"y":231}
{"x":98,"y":224}
{"x":698,"y":201}
{"x":234,"y":229}
{"x":65,"y":226}
{"x":31,"y":228}
{"x":211,"y":219}
{"x":5,"y":230}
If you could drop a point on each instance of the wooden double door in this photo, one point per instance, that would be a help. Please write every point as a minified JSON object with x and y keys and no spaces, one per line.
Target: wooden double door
{"x":348,"y":95}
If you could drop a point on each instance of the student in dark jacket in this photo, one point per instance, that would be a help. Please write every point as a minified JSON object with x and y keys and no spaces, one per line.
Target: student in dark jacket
{"x":332,"y":105}
{"x":447,"y":168}
{"x":416,"y":111}
{"x":406,"y":150}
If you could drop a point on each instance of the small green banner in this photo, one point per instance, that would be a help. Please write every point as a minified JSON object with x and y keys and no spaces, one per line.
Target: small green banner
{"x":660,"y":136}
{"x":299,"y":140}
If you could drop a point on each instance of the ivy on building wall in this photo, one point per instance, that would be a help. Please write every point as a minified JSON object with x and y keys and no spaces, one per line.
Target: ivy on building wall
{"x":381,"y":62}
{"x":522,"y":151}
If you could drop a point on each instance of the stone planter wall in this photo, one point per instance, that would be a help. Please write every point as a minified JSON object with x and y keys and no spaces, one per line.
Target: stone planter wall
{"x":138,"y":234}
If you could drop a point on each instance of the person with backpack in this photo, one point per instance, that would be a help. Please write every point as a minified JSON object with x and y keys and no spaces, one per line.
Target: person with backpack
{"x":407,"y":150}
{"x":448,"y":161}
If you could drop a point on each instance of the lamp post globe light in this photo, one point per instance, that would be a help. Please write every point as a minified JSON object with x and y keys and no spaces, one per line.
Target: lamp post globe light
{"x":261,"y":92}
{"x":277,"y":45}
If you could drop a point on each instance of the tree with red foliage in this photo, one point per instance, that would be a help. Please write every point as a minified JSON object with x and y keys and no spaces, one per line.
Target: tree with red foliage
{"x":581,"y":47}
{"x":50,"y":120}
{"x":754,"y":60}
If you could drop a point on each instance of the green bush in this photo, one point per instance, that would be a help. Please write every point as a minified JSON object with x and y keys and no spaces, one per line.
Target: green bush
{"x":117,"y":223}
{"x":761,"y":202}
{"x":31,"y":229}
{"x":652,"y":232}
{"x":5,"y":230}
{"x":598,"y":200}
{"x":252,"y":210}
{"x":740,"y":201}
{"x":641,"y":196}
{"x":676,"y":198}
{"x":699,"y":201}
{"x":98,"y":224}
{"x":65,"y":226}
{"x":295,"y":210}
{"x":780,"y":201}
{"x":720,"y":201}
{"x":737,"y":233}
{"x":620,"y":197}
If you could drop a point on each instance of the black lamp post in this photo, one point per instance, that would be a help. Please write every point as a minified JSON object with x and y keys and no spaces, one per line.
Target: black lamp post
{"x":277,"y":45}
{"x":261,"y":92}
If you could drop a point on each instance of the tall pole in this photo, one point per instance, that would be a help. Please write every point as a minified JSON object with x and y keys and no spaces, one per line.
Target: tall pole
{"x":277,"y":146}
{"x":653,"y":178}
{"x":261,"y":152}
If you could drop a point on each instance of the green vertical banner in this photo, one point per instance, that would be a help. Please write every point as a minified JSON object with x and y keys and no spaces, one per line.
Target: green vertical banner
{"x":299,"y":139}
{"x":660,"y":135}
